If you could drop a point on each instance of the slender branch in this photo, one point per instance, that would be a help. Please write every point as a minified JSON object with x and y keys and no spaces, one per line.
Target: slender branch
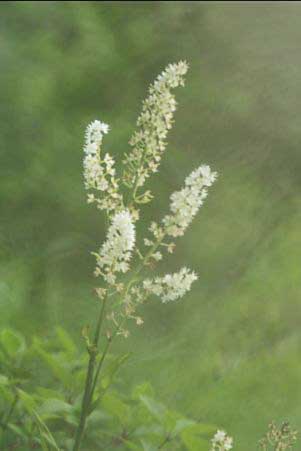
{"x":99,"y":323}
{"x":89,"y":377}
{"x":100,"y":363}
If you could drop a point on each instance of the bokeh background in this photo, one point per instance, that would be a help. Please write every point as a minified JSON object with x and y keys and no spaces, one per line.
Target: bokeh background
{"x":229,"y":353}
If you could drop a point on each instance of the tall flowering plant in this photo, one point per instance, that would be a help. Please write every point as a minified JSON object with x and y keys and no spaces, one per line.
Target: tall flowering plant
{"x":120,"y":265}
{"x":81,"y":407}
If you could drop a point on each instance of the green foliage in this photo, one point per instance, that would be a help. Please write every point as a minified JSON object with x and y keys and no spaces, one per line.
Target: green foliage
{"x":46,"y":417}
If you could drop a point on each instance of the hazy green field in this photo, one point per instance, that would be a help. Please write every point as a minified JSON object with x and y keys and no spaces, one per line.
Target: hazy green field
{"x":229,"y":353}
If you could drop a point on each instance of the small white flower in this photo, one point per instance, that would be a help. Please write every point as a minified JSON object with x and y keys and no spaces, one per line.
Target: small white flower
{"x":99,"y":174}
{"x":157,"y":256}
{"x":95,"y":131}
{"x":91,"y":148}
{"x":171,"y":286}
{"x":219,"y":436}
{"x":186,"y":202}
{"x":228,"y":443}
{"x":115,"y":253}
{"x":221,"y":441}
{"x":154,"y":122}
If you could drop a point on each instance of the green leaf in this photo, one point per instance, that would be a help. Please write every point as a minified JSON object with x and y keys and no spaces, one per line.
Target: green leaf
{"x":54,"y":364}
{"x":147,"y":446}
{"x":203,"y":429}
{"x":155,"y":408}
{"x":143,"y":389}
{"x":181,"y":425}
{"x":66,"y":341}
{"x":115,"y":406}
{"x":47,"y":393}
{"x":197,"y":436}
{"x":27,"y":401}
{"x":3,"y":380}
{"x":16,"y":430}
{"x":132,"y":446}
{"x":194,"y":443}
{"x":154,"y":430}
{"x":54,"y":407}
{"x":12,"y":342}
{"x":112,"y":369}
{"x":45,"y":435}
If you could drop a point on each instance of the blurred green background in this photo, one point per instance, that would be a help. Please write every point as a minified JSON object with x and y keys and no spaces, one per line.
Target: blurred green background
{"x":229,"y":353}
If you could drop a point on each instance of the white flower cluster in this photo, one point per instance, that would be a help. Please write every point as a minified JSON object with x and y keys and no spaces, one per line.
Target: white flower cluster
{"x":94,"y":134}
{"x":154,"y":122}
{"x":171,"y":286}
{"x":116,"y":251}
{"x":147,"y":146}
{"x":221,"y":442}
{"x":99,"y":174}
{"x":186,"y":202}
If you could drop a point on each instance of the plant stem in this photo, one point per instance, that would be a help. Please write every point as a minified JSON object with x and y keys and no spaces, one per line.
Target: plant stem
{"x":100,"y":363}
{"x":91,"y":381}
{"x":89,"y":378}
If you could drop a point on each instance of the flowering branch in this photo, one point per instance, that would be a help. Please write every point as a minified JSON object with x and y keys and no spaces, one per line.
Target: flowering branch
{"x":149,"y":142}
{"x":113,"y":260}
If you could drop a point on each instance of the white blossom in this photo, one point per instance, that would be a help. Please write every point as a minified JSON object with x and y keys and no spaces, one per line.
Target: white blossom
{"x":171,"y":286}
{"x":157,"y":256}
{"x":99,"y":172}
{"x":94,"y":133}
{"x":221,"y":441}
{"x":186,"y":202}
{"x":156,"y":118}
{"x":148,"y":242}
{"x":115,"y":253}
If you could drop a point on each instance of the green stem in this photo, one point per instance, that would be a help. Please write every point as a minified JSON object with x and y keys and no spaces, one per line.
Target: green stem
{"x":89,"y":378}
{"x":92,"y":378}
{"x":100,"y":363}
{"x":147,"y":257}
